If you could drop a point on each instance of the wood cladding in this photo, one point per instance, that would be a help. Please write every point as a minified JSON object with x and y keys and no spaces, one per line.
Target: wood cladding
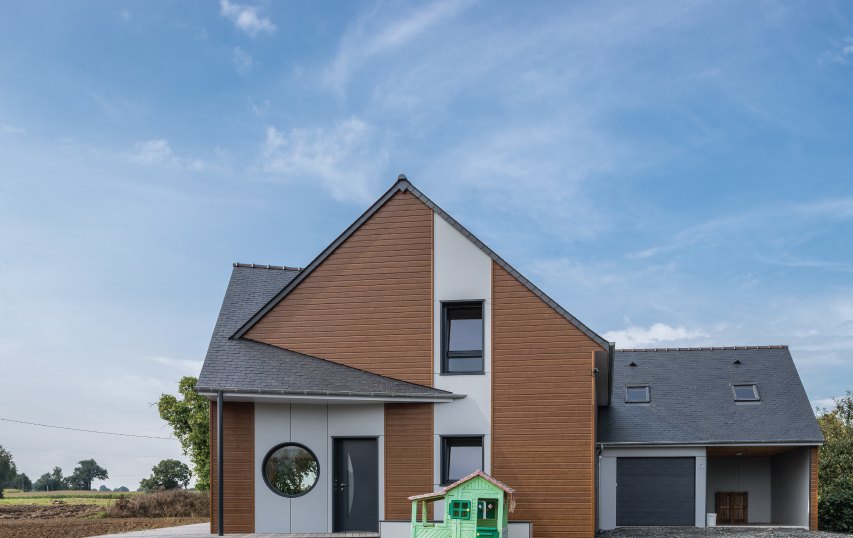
{"x":543,"y":410}
{"x":408,"y":456}
{"x":369,"y":303}
{"x":238,"y":432}
{"x":814,"y":458}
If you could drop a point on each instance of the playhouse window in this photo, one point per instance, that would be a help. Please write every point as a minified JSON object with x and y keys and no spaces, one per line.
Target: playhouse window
{"x":460,"y":509}
{"x":460,"y":456}
{"x":462,"y":338}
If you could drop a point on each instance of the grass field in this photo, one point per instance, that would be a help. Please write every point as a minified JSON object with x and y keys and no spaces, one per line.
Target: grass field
{"x":44,"y":498}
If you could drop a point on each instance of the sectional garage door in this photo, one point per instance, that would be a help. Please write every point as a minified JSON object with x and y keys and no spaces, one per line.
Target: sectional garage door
{"x":655,"y":491}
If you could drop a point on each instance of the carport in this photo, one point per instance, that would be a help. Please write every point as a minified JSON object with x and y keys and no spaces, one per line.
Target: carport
{"x":759,"y":485}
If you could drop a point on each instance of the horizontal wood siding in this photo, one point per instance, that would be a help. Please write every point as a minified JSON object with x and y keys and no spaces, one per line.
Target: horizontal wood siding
{"x":408,"y":456}
{"x":369,"y":304}
{"x":814,"y":455}
{"x":543,"y":405}
{"x":238,"y":426}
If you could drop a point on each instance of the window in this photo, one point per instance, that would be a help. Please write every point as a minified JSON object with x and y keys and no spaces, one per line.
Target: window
{"x":746,"y":393}
{"x":637,"y":394}
{"x":460,"y":456}
{"x":460,"y":510}
{"x":462,"y":338}
{"x":291,"y":470}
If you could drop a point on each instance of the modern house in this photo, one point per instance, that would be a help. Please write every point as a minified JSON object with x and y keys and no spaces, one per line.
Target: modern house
{"x":408,"y":355}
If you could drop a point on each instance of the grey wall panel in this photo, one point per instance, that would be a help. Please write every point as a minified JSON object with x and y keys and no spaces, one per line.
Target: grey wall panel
{"x":655,"y":491}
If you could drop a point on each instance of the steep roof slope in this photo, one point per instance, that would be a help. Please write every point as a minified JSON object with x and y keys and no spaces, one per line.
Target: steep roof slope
{"x":245,"y":366}
{"x":692,"y":401}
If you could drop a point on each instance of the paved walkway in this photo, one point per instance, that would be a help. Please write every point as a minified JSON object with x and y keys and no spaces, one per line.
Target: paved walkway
{"x":203,"y":529}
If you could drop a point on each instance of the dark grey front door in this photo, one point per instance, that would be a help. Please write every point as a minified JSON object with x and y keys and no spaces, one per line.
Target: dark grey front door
{"x":355,"y":485}
{"x":655,"y":491}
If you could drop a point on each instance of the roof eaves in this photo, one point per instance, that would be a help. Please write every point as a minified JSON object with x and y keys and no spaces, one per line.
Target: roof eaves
{"x":330,"y":393}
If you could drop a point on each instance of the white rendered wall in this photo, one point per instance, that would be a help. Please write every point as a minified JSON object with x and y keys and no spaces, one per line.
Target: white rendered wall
{"x":313,"y":426}
{"x":737,"y":474}
{"x":461,"y":272}
{"x":790,"y":473}
{"x":607,"y":479}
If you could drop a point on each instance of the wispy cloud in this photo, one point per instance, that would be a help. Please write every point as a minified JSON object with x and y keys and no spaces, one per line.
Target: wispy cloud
{"x":656,"y":334}
{"x":243,"y":61}
{"x":840,"y":55}
{"x":158,"y":152}
{"x":246,"y":18}
{"x":373,"y":36}
{"x":186,"y":366}
{"x":10,"y":129}
{"x":346,"y":159}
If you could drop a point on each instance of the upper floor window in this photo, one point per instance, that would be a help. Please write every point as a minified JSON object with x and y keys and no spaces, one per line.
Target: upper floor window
{"x":637,"y":394}
{"x":747,"y":392}
{"x":460,"y":456}
{"x":462,"y":338}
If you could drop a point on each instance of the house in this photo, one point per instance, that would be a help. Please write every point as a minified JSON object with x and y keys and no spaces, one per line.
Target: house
{"x":408,"y":355}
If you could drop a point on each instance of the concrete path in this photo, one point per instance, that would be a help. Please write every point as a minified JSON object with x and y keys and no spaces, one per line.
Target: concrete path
{"x":203,"y":529}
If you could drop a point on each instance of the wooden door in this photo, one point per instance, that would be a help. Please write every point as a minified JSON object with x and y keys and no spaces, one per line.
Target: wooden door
{"x":732,"y":508}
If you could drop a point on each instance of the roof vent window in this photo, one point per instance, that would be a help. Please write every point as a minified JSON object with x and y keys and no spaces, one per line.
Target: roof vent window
{"x":747,"y":392}
{"x":637,"y":394}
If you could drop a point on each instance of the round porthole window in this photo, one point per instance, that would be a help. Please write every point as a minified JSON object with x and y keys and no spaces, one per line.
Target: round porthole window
{"x":291,"y":470}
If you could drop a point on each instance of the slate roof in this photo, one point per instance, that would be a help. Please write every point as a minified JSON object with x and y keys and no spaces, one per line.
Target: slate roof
{"x":246,"y":366}
{"x":692,"y":400}
{"x":401,"y":185}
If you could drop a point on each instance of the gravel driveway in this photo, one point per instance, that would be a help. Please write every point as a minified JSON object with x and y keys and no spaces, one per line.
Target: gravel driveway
{"x":716,"y":532}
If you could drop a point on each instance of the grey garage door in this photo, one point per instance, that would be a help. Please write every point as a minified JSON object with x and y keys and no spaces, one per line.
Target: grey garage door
{"x":655,"y":491}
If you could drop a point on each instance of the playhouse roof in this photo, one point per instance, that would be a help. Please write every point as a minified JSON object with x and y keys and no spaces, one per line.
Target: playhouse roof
{"x":443,"y":491}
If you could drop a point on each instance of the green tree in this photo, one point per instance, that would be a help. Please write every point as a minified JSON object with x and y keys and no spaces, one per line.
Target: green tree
{"x":7,"y":468}
{"x":122,"y":489}
{"x":189,"y":417}
{"x":168,"y":474}
{"x":53,"y":481}
{"x":82,"y":477}
{"x":835,"y":467}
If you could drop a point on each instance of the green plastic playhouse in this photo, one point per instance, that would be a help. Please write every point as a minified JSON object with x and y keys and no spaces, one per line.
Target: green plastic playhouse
{"x":474,"y":506}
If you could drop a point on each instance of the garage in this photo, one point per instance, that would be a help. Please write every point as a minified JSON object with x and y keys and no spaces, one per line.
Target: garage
{"x":655,"y":491}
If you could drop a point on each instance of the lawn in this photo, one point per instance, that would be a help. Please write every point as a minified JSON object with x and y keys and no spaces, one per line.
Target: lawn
{"x":44,"y":498}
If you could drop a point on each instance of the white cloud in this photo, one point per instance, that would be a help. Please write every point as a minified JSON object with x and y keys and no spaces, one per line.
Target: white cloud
{"x":372,"y":37}
{"x":246,"y":18}
{"x":158,"y":152}
{"x":840,"y":55}
{"x":243,"y":61}
{"x":344,"y":160}
{"x":659,"y":333}
{"x":186,"y":366}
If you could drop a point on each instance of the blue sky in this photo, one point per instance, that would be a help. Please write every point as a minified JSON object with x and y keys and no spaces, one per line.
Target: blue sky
{"x":673,"y":173}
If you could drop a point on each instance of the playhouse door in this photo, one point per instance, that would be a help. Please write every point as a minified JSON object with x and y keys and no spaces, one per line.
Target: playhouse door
{"x":355,"y":485}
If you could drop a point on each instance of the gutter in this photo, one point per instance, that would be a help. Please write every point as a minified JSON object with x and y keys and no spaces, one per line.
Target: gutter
{"x":710,"y":443}
{"x":211,"y":393}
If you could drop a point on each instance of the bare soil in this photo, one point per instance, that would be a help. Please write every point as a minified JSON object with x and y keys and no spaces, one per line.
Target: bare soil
{"x":74,"y":521}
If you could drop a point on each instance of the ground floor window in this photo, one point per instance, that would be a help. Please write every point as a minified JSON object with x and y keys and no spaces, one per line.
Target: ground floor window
{"x":460,"y":456}
{"x":291,"y":469}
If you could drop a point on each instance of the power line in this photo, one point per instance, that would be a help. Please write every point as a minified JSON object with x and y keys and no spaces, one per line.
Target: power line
{"x":86,"y":431}
{"x":84,"y":452}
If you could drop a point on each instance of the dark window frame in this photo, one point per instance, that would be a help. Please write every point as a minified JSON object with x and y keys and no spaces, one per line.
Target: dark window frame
{"x":446,"y":441}
{"x":275,"y":490}
{"x":648,"y":394}
{"x":756,"y":395}
{"x":446,"y":354}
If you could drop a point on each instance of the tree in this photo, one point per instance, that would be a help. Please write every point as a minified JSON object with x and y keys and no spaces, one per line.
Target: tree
{"x":122,"y":489}
{"x":835,"y":467}
{"x":189,"y":418}
{"x":104,"y":488}
{"x":7,"y":468}
{"x":52,"y":481}
{"x":83,"y":475}
{"x":168,"y":474}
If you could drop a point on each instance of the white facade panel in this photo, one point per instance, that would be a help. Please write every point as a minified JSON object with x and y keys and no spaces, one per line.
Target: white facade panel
{"x":461,"y":272}
{"x":314,"y":426}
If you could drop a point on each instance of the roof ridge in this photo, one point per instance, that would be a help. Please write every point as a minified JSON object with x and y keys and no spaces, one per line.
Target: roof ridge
{"x":708,"y":348}
{"x":267,"y":266}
